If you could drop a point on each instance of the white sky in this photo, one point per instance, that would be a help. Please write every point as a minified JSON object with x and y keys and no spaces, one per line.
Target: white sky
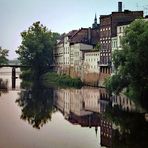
{"x":59,"y":16}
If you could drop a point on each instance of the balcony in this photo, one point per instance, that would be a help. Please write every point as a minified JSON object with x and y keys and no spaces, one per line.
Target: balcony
{"x":103,"y":64}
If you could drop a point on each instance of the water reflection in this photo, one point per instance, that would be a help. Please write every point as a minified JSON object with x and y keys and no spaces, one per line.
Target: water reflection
{"x":116,"y":120}
{"x":6,"y":76}
{"x":129,"y":126}
{"x":130,"y":129}
{"x":3,"y":86}
{"x":120,"y":121}
{"x":84,"y":107}
{"x":37,"y":105}
{"x":79,"y":106}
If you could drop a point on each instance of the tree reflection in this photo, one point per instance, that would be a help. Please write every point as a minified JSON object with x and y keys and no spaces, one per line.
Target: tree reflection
{"x":3,"y":86}
{"x":130,"y":130}
{"x":37,"y":105}
{"x":144,"y":103}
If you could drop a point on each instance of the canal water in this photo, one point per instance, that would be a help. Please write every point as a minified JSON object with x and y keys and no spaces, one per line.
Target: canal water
{"x":63,"y":118}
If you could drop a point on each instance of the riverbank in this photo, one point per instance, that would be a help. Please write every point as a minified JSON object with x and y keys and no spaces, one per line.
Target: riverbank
{"x":53,"y":79}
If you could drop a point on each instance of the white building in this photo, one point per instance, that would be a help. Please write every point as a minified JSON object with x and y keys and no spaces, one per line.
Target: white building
{"x":62,"y":52}
{"x":77,"y":54}
{"x":114,"y":44}
{"x":91,"y":59}
{"x":66,"y":52}
{"x":58,"y":56}
{"x":117,"y":41}
{"x":120,"y":34}
{"x":75,"y":46}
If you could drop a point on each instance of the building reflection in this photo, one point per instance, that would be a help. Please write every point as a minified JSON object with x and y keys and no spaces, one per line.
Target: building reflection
{"x":83,"y":107}
{"x":86,"y":107}
{"x":3,"y":86}
{"x":81,"y":102}
{"x":106,"y":133}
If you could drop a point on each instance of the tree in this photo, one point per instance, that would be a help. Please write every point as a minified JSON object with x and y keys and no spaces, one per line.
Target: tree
{"x":131,"y":63}
{"x":97,"y":47}
{"x":36,"y":49}
{"x":3,"y":56}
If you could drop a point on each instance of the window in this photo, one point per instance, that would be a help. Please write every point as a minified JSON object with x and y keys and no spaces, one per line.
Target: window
{"x":120,"y":29}
{"x":120,"y":41}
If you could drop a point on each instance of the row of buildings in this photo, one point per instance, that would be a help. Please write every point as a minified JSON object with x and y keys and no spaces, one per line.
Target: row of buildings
{"x":87,"y":52}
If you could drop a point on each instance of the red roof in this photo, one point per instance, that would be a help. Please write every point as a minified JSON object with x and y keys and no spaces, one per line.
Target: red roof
{"x":86,"y":35}
{"x":83,"y":35}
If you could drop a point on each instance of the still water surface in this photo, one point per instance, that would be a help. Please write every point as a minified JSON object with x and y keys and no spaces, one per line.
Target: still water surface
{"x":66,"y":118}
{"x":56,"y":133}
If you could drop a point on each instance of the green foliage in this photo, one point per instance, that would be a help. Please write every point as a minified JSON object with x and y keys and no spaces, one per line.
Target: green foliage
{"x":36,"y":48}
{"x":114,"y":84}
{"x":26,"y":75}
{"x":131,"y":63}
{"x":118,"y":59}
{"x":61,"y":80}
{"x":132,"y":128}
{"x":3,"y":86}
{"x":3,"y":56}
{"x":14,"y":62}
{"x":27,"y":78}
{"x":97,"y":47}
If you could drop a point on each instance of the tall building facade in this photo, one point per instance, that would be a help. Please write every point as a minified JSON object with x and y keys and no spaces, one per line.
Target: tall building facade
{"x":108,"y":30}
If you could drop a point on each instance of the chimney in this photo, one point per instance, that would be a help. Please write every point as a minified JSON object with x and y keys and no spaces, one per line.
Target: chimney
{"x":89,"y":35}
{"x":119,"y":6}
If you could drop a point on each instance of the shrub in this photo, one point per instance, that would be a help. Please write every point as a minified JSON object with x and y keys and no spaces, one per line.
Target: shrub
{"x":61,"y":80}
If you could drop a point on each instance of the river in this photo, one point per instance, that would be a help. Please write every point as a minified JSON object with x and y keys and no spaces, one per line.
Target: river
{"x":60,"y":118}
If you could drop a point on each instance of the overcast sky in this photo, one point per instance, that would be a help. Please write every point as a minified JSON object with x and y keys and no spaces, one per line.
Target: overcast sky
{"x":58,"y":15}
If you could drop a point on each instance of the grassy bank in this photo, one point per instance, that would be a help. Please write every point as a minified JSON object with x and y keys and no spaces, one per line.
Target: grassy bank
{"x":53,"y":79}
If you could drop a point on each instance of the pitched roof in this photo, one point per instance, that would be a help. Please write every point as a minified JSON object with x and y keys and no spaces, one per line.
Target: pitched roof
{"x":69,"y":34}
{"x":83,"y":35}
{"x":86,"y":35}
